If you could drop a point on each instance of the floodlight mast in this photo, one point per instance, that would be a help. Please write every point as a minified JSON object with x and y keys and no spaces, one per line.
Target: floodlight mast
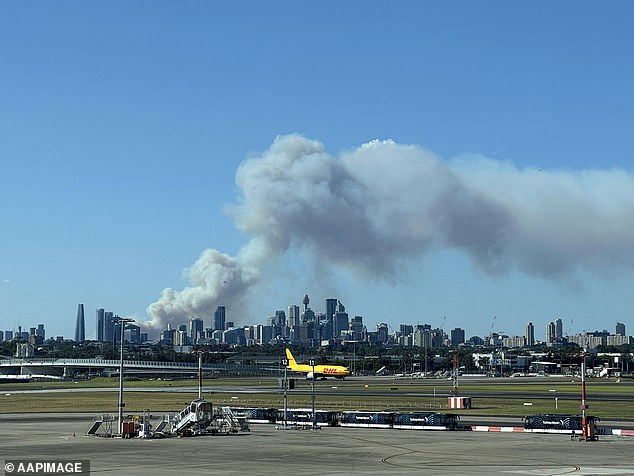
{"x":285,"y":364}
{"x":584,"y":406}
{"x":122,"y":321}
{"x":312,"y":364}
{"x":200,"y":375}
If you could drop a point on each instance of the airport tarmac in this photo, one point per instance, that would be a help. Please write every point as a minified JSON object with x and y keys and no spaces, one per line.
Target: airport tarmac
{"x":329,"y":451}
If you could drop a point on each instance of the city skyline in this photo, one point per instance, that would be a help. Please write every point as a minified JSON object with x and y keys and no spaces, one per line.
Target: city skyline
{"x":106,"y":329}
{"x":425,"y":162}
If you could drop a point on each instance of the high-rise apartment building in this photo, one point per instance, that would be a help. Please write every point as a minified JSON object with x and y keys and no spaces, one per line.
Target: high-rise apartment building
{"x":620,"y":329}
{"x":550,"y":333}
{"x":80,"y":326}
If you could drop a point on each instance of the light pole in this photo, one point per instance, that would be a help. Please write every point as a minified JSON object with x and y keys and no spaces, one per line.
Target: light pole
{"x":122,"y":322}
{"x":354,"y":354}
{"x":584,"y":406}
{"x":425,"y":342}
{"x":285,"y":364}
{"x":312,"y":364}
{"x":200,"y":375}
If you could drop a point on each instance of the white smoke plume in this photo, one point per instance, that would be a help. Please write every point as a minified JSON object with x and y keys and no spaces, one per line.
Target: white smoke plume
{"x":371,"y":209}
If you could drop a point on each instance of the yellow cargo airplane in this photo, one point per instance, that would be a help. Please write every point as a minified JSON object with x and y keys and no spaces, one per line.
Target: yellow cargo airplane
{"x":320,"y":371}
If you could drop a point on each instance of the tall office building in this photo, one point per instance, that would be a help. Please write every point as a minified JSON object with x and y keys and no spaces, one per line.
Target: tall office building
{"x":457,"y":337}
{"x":219,"y":318}
{"x":357,"y":328}
{"x":180,"y":336}
{"x":383,"y":332}
{"x":331,"y":308}
{"x":108,"y":327}
{"x":116,"y":328}
{"x":99,"y":324}
{"x":196,"y":330}
{"x":293,"y":315}
{"x":41,"y":332}
{"x":167,"y":336}
{"x":620,"y":329}
{"x":132,"y":334}
{"x":279,"y":319}
{"x":340,"y":322}
{"x":80,"y":327}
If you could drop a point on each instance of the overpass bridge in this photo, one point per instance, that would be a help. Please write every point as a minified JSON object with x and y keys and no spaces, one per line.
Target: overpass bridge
{"x":104,"y":367}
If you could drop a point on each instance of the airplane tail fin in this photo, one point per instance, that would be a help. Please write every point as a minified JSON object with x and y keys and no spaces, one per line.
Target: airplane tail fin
{"x":291,"y":359}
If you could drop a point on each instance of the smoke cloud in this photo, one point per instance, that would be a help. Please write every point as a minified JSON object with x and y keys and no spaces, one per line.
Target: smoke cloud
{"x":372,"y":209}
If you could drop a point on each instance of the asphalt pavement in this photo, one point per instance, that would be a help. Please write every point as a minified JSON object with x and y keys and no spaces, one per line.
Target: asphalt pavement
{"x":329,"y":451}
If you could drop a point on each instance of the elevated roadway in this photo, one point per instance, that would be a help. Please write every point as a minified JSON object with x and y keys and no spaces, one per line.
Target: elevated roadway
{"x":69,"y":367}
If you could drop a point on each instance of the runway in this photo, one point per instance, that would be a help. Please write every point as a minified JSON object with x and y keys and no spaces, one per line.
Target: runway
{"x":330,"y":451}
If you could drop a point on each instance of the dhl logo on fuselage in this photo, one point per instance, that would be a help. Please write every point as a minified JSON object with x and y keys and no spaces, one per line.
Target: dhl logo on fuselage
{"x":337,"y":371}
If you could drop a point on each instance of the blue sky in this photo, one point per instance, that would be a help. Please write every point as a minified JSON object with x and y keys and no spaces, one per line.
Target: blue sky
{"x":123,"y":126}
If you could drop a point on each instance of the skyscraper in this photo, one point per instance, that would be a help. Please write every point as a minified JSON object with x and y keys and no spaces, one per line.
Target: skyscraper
{"x":340,"y":323}
{"x":99,"y":325}
{"x":80,"y":327}
{"x":132,"y":334}
{"x":357,"y":328}
{"x":108,"y":327}
{"x":331,"y":308}
{"x":530,"y":334}
{"x":620,"y":329}
{"x":196,"y":330}
{"x":219,"y":318}
{"x":550,"y":334}
{"x":457,"y":337}
{"x":293,"y":315}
